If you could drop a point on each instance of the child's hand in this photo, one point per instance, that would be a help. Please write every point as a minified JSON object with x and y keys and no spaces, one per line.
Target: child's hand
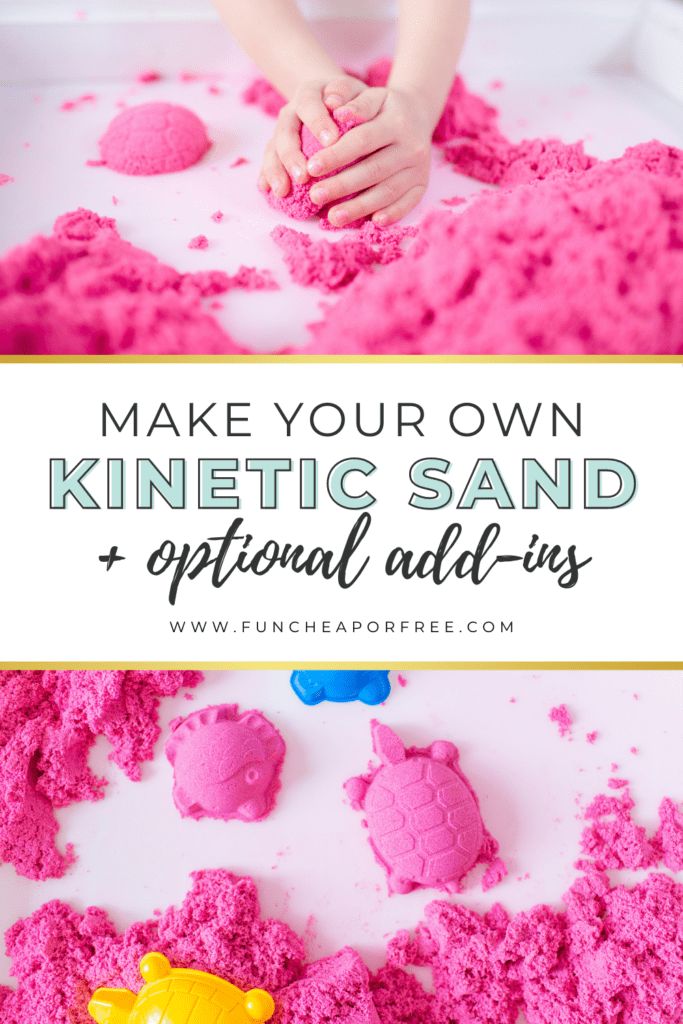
{"x":395,"y":139}
{"x":283,"y":161}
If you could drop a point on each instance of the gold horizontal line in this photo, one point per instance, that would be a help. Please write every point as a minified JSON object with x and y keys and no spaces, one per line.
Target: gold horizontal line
{"x":386,"y":359}
{"x":562,"y":666}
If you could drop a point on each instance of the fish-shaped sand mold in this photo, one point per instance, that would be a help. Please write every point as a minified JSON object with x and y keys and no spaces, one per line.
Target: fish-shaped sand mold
{"x":341,"y":687}
{"x":422,"y":815}
{"x":179,"y":996}
{"x":226,"y":765}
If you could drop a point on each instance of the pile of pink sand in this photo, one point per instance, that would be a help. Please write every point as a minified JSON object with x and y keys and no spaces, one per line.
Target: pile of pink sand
{"x":613,"y":841}
{"x":85,"y":290}
{"x":471,"y":139}
{"x":154,"y":138}
{"x":319,"y":263}
{"x":580,"y":263}
{"x":611,"y":955}
{"x":49,"y":722}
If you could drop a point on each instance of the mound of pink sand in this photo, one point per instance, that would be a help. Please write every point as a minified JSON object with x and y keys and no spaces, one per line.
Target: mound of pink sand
{"x":329,"y":265}
{"x":154,"y":138}
{"x":473,"y":143}
{"x":613,"y":841}
{"x":669,"y":838}
{"x":85,"y":290}
{"x":611,"y":955}
{"x":399,"y":998}
{"x":334,"y":989}
{"x":583,"y":263}
{"x":49,"y":722}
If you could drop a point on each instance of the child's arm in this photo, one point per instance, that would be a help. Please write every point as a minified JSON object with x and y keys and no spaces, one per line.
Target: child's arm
{"x":276,"y":36}
{"x":400,"y":120}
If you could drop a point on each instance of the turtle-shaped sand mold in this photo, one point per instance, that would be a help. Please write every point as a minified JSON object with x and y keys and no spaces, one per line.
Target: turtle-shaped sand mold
{"x":341,"y":687}
{"x":225,"y":764}
{"x":422,"y":815}
{"x":178,"y":996}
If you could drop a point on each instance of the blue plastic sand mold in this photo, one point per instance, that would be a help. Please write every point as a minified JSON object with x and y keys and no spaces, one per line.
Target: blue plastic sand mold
{"x":341,"y":687}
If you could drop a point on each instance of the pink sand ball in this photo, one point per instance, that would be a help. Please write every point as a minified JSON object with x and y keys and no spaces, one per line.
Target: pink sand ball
{"x":154,"y":138}
{"x":298,"y":203}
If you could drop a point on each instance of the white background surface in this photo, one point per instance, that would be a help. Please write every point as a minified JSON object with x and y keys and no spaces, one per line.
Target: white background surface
{"x":52,"y":578}
{"x":311,"y":856}
{"x":566,"y":69}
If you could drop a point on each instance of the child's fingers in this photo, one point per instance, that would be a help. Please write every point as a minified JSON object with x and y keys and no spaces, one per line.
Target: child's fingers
{"x":359,"y":142}
{"x":364,"y":107}
{"x":341,"y":91}
{"x":398,"y":210}
{"x":288,"y":145}
{"x":387,"y":194}
{"x":315,"y":115}
{"x":275,"y":173}
{"x":378,"y":167}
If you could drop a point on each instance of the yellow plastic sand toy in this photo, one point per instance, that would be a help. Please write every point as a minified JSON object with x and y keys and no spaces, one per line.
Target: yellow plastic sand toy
{"x":177,"y":996}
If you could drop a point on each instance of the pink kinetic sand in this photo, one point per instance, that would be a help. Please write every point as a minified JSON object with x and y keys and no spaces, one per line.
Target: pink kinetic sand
{"x":60,"y":956}
{"x":612,"y":956}
{"x":298,"y":203}
{"x":6,"y":179}
{"x":198,"y":242}
{"x":225,"y":764}
{"x":154,"y":138}
{"x":260,"y":93}
{"x":48,"y":723}
{"x":332,"y":265}
{"x":572,"y":256}
{"x":669,"y":838}
{"x":612,"y":840}
{"x":85,"y":290}
{"x":589,"y":262}
{"x":562,"y":717}
{"x":336,"y":989}
{"x":494,"y":874}
{"x":80,"y":101}
{"x":422,"y":815}
{"x":147,"y":77}
{"x":400,"y":998}
{"x":469,"y":135}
